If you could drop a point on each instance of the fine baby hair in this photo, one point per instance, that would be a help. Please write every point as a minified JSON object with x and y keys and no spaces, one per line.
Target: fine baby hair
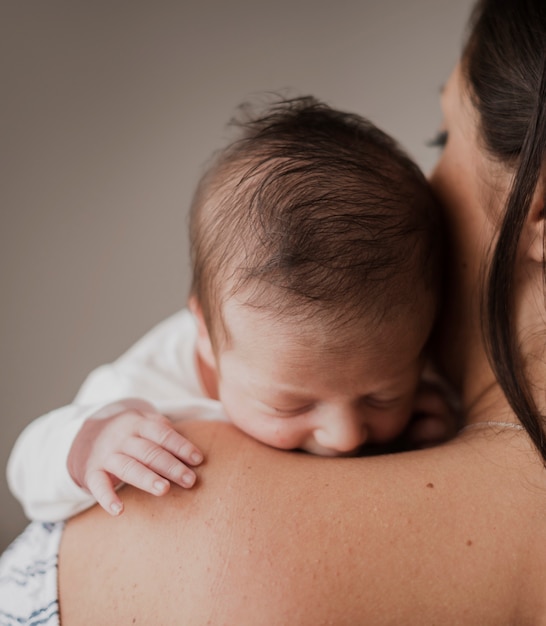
{"x":314,"y":213}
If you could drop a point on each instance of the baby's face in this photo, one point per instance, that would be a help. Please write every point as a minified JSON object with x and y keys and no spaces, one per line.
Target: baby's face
{"x":286,"y":385}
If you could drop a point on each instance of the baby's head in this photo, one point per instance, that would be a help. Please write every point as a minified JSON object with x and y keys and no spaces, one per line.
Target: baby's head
{"x":316,"y":250}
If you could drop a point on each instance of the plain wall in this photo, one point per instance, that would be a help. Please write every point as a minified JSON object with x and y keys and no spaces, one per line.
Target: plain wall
{"x":108,"y":113}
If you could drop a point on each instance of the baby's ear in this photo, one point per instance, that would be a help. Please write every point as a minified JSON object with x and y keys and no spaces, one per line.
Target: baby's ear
{"x":204,"y":344}
{"x":534,"y":226}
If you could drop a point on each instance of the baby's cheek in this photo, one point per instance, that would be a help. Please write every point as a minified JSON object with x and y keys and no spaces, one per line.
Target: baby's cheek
{"x":280,"y":439}
{"x":267,"y":430}
{"x":392,"y":425}
{"x":283,"y":436}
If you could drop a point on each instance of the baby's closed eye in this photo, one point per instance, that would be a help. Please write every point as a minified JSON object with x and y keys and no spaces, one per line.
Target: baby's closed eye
{"x":379,"y":402}
{"x":291,"y":411}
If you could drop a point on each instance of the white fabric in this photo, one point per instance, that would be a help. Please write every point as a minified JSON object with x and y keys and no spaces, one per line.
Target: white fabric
{"x":28,"y":577}
{"x":160,"y":368}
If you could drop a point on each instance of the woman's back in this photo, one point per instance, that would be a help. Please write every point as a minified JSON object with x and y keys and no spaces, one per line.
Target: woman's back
{"x":450,"y":535}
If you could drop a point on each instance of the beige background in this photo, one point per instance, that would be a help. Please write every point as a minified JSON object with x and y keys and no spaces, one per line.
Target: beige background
{"x":108,"y":111}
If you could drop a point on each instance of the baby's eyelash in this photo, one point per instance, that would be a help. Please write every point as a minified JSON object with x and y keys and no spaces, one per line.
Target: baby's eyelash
{"x":439,"y":141}
{"x":381,"y":403}
{"x":291,"y":412}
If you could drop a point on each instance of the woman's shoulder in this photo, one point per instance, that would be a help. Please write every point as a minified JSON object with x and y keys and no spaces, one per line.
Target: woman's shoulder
{"x":273,"y":537}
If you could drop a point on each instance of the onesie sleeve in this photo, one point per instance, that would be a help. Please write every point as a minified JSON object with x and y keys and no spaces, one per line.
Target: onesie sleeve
{"x":159,"y":368}
{"x":37,"y":473}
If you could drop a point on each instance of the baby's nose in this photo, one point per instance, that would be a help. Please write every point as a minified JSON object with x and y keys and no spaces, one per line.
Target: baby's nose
{"x":343,"y":433}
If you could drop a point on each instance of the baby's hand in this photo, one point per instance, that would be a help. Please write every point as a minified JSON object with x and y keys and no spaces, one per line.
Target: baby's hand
{"x":434,"y":419}
{"x":136,"y":445}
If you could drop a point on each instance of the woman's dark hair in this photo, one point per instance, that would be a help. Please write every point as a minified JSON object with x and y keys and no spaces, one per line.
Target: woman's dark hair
{"x":504,"y":63}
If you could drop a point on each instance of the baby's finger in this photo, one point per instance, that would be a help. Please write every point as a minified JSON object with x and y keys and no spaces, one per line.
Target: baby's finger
{"x":161,"y":432}
{"x":134,"y":473}
{"x":100,"y":485}
{"x":159,"y":460}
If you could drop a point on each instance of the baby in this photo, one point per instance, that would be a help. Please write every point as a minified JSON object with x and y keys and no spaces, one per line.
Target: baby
{"x":316,"y":249}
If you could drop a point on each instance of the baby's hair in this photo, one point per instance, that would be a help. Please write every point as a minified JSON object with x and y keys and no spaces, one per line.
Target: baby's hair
{"x":314,"y":213}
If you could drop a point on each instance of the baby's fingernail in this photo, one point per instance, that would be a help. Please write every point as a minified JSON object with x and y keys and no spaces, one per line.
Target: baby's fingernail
{"x":116,"y":508}
{"x":196,"y":457}
{"x":160,"y":486}
{"x":188,"y":480}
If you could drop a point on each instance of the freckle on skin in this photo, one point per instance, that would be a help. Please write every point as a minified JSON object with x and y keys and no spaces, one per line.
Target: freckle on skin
{"x":430,"y":485}
{"x":469,"y":542}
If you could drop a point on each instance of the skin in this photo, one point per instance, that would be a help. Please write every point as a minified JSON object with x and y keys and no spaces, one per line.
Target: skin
{"x":129,"y":441}
{"x":447,"y":535}
{"x":272,"y":538}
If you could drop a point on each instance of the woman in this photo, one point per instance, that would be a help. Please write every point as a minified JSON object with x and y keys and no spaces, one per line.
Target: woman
{"x":449,"y":535}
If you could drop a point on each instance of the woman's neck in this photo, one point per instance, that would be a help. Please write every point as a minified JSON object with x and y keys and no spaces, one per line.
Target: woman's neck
{"x":481,"y":395}
{"x":463,"y":359}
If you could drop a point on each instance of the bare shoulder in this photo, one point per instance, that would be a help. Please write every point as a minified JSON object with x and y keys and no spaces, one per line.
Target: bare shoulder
{"x":446,"y":535}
